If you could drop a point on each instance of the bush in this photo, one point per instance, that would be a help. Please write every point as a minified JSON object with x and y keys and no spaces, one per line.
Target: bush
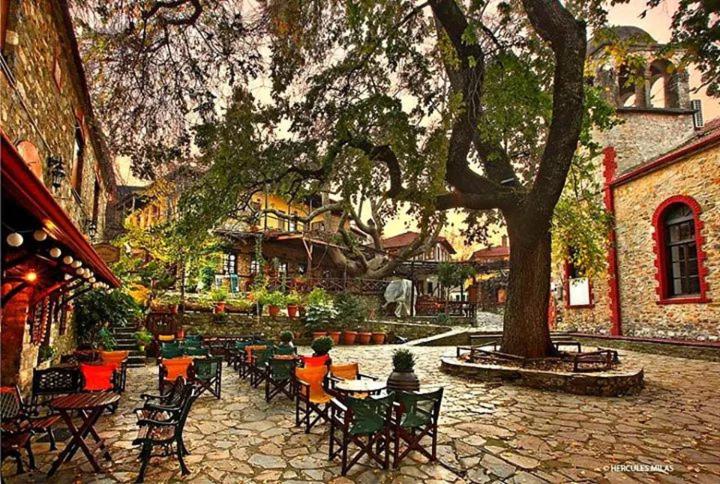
{"x":286,"y":336}
{"x":319,"y":317}
{"x":144,"y":337}
{"x":218,"y":295}
{"x":351,"y":310}
{"x":322,"y":346}
{"x":106,"y":339}
{"x":274,"y":298}
{"x":46,"y":353}
{"x":96,"y":309}
{"x":294,"y":298}
{"x":318,"y":297}
{"x":403,"y":360}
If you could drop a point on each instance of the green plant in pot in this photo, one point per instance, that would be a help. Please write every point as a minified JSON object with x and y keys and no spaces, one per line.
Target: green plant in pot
{"x":143,"y":338}
{"x":218,"y":297}
{"x":274,"y":301}
{"x":321,"y":346}
{"x":286,"y":339}
{"x":403,"y":376}
{"x":352,"y":314}
{"x":319,"y":317}
{"x":46,"y":353}
{"x":293,"y":300}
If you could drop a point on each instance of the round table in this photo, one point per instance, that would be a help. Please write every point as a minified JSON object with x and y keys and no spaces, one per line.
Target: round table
{"x":90,"y":406}
{"x":366,"y":386}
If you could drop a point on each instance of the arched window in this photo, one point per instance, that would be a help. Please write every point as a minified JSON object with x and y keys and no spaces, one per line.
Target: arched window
{"x":664,"y":84}
{"x":679,"y":253}
{"x":78,"y":159}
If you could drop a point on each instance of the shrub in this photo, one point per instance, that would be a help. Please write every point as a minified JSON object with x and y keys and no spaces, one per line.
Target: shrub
{"x":351,"y":310}
{"x":96,"y":309}
{"x":46,"y":353}
{"x":286,"y":336}
{"x":218,"y":295}
{"x":144,"y":337}
{"x":322,"y":346}
{"x":318,"y":297}
{"x":274,"y":298}
{"x":106,"y":339}
{"x":294,"y":298}
{"x":320,"y":316}
{"x":403,"y":360}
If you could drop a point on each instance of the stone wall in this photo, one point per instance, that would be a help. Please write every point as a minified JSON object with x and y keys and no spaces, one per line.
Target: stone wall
{"x":203,"y":323}
{"x":594,"y":319}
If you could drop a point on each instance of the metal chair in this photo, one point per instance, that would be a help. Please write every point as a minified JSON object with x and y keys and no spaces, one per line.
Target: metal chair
{"x":169,"y":370}
{"x":14,"y":410}
{"x":416,"y":417}
{"x":365,"y":423}
{"x":164,"y":403}
{"x":53,"y":382}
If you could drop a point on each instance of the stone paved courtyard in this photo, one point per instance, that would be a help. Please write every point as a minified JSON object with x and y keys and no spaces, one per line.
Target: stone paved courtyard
{"x":489,"y":432}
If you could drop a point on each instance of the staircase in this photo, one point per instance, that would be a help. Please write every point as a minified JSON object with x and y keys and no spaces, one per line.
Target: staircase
{"x":125,"y":340}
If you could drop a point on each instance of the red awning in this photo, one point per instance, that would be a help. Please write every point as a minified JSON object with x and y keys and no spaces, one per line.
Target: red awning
{"x":21,"y":186}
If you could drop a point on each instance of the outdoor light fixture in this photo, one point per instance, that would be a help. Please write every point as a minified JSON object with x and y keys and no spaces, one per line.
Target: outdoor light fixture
{"x":57,"y":171}
{"x":31,"y":277}
{"x":14,"y":239}
{"x":92,"y":230}
{"x":68,"y":277}
{"x":79,"y":272}
{"x":68,"y":259}
{"x":40,"y":235}
{"x":76,"y":264}
{"x":92,"y":280}
{"x":55,"y":252}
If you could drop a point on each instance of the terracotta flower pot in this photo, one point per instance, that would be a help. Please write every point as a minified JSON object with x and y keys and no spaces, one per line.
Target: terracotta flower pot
{"x":349,"y":337}
{"x":180,"y":334}
{"x":292,"y":311}
{"x":335,"y":336}
{"x":219,"y":307}
{"x":319,"y":334}
{"x":364,"y":337}
{"x":273,"y":311}
{"x":378,"y":337}
{"x":403,"y":380}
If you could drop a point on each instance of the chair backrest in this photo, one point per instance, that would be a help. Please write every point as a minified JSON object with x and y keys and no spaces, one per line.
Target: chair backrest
{"x":315,"y":360}
{"x":346,"y":371}
{"x":195,"y":351}
{"x":281,"y":369}
{"x":175,"y":394}
{"x":98,"y":377}
{"x":252,"y":348}
{"x":114,"y":357}
{"x":189,"y":395}
{"x":164,"y":338}
{"x":207,"y":368}
{"x":10,"y":403}
{"x":285,"y":350}
{"x":314,"y":376}
{"x":369,"y":415}
{"x":193,"y":338}
{"x":264,"y":356}
{"x":170,"y":350}
{"x":419,"y":408}
{"x":53,"y":382}
{"x":175,"y":367}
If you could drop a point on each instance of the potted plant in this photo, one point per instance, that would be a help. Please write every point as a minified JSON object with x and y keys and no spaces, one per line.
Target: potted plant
{"x":321,"y":346}
{"x":403,"y":376}
{"x":318,"y":317}
{"x":218,"y":297}
{"x":143,"y":338}
{"x":286,"y":339}
{"x":46,"y":353}
{"x":351,"y":313}
{"x":293,"y":301}
{"x":274,"y":300}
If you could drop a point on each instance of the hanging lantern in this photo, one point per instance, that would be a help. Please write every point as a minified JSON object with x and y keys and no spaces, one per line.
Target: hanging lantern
{"x":40,"y":235}
{"x":57,"y":171}
{"x":31,"y":277}
{"x":68,"y":277}
{"x":92,"y":280}
{"x":55,"y":252}
{"x":76,"y":264}
{"x":14,"y":239}
{"x":68,"y":259}
{"x":79,"y":272}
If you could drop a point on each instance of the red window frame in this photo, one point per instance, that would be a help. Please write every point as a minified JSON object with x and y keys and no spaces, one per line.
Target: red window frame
{"x":661,"y":262}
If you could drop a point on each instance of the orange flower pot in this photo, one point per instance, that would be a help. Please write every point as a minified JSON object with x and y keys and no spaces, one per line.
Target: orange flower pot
{"x":335,"y":336}
{"x":273,"y":311}
{"x":378,"y":337}
{"x":292,"y":311}
{"x":364,"y":337}
{"x":219,"y":307}
{"x":319,"y":334}
{"x":349,"y":337}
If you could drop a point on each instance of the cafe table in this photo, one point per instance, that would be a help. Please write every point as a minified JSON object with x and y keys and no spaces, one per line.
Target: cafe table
{"x":90,"y":407}
{"x":361,"y":387}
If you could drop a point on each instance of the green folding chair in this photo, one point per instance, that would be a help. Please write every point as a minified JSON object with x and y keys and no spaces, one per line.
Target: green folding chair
{"x":207,"y":374}
{"x":417,"y":416}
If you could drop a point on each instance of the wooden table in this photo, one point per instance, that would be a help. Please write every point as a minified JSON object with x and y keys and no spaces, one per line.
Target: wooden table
{"x":366,"y":386}
{"x":90,"y":406}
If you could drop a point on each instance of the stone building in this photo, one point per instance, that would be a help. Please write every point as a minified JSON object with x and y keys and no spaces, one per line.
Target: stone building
{"x":661,"y":182}
{"x":57,"y":184}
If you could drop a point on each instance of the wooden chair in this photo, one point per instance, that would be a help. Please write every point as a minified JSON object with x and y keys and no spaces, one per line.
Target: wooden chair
{"x":12,"y":441}
{"x":119,"y":359}
{"x":170,"y":350}
{"x":310,"y":396}
{"x":207,"y":374}
{"x":247,"y":358}
{"x":53,"y":382}
{"x":346,"y":371}
{"x":308,"y":361}
{"x":14,"y":411}
{"x":416,"y":417}
{"x":365,"y":423}
{"x":169,"y":370}
{"x":279,"y":378}
{"x":165,"y":433}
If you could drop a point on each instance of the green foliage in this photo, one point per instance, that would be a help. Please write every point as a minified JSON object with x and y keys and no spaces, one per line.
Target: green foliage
{"x":322,"y":346}
{"x":96,"y":309}
{"x":46,"y":352}
{"x":294,"y":298}
{"x":318,"y":296}
{"x":453,"y":275}
{"x":286,"y":336}
{"x":443,"y":319}
{"x":144,"y":337}
{"x":105,"y":339}
{"x":218,"y":295}
{"x":351,"y":310}
{"x":403,"y":360}
{"x":272,"y":298}
{"x":320,"y":316}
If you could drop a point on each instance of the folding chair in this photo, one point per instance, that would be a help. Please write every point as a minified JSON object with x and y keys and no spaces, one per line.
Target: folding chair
{"x":314,"y":360}
{"x":279,"y":377}
{"x":170,"y":350}
{"x":365,"y":423}
{"x":170,"y":369}
{"x":285,"y":350}
{"x":247,"y":358}
{"x":310,"y":396}
{"x":160,"y":405}
{"x":195,"y":351}
{"x":207,"y":374}
{"x":237,"y":353}
{"x":416,"y":417}
{"x":258,"y":366}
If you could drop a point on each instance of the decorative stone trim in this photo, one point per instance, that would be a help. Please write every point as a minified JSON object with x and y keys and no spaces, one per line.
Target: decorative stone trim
{"x":603,"y":384}
{"x":661,"y":256}
{"x":609,"y":173}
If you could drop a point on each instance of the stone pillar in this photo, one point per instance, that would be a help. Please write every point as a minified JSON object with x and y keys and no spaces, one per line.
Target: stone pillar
{"x":14,"y":322}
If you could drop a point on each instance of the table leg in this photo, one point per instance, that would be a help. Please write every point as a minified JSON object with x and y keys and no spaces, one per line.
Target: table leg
{"x":100,"y":442}
{"x":87,"y":426}
{"x":74,"y":443}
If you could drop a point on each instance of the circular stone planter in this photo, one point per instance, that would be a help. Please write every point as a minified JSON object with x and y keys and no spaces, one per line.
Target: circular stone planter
{"x":614,"y":383}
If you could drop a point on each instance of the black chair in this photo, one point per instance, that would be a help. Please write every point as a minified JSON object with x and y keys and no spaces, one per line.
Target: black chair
{"x":416,"y":417}
{"x":166,"y":432}
{"x":161,"y":405}
{"x":53,"y":382}
{"x":14,"y":410}
{"x":279,"y":378}
{"x":15,"y":428}
{"x":206,"y":373}
{"x":366,"y":424}
{"x":258,"y":366}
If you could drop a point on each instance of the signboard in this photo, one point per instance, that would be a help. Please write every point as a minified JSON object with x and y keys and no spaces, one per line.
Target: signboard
{"x":108,"y":252}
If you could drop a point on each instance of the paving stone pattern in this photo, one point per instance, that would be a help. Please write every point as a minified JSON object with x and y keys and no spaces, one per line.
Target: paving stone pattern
{"x":490,"y":432}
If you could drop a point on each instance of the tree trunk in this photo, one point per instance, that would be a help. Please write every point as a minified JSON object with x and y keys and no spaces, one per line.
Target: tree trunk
{"x":525,"y":328}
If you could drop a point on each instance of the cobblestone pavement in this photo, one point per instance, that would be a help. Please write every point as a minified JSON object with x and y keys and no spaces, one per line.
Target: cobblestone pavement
{"x":492,"y":432}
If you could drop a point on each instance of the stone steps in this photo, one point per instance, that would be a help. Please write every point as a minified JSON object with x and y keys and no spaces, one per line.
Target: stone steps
{"x":125,"y":341}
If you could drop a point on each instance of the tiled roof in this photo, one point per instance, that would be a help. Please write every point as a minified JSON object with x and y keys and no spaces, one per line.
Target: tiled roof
{"x":407,"y":238}
{"x":497,"y":252}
